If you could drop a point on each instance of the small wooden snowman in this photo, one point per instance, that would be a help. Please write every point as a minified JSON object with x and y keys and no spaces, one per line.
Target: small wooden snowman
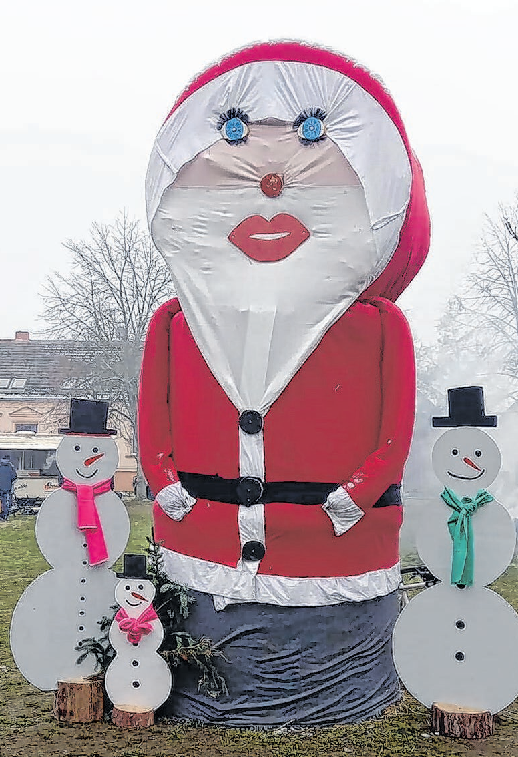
{"x":138,"y":680}
{"x":81,"y":530}
{"x":456,"y":642}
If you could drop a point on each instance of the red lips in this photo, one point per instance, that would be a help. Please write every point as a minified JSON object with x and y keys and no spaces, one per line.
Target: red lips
{"x":269,"y":241}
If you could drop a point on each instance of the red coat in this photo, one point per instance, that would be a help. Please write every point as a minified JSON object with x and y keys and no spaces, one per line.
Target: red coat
{"x":345,"y":417}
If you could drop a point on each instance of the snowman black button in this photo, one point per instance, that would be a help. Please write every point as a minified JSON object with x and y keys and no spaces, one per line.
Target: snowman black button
{"x":250,"y":421}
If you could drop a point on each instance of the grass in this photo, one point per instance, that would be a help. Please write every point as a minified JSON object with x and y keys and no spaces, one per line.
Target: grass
{"x":27,"y":726}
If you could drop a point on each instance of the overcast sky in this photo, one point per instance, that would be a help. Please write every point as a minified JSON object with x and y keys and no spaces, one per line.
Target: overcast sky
{"x":86,"y":86}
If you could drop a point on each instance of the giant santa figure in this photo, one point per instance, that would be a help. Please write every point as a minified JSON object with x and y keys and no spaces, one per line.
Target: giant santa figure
{"x":277,"y":390}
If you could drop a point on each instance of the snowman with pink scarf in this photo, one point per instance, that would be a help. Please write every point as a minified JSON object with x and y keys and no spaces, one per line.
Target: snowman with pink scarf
{"x":138,"y":676}
{"x":82,"y":528}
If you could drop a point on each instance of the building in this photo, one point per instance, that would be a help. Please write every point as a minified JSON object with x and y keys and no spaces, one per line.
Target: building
{"x":37,"y":380}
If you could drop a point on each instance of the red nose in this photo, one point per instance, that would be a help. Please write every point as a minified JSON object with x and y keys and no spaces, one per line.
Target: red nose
{"x":470,"y":462}
{"x":272,"y":184}
{"x":138,"y":596}
{"x":91,"y":460}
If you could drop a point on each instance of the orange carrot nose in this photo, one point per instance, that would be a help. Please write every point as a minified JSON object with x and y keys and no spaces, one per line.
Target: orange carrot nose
{"x":470,"y":462}
{"x":138,"y":596}
{"x":91,"y":460}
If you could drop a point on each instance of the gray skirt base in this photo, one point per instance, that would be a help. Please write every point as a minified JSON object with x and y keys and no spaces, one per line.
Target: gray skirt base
{"x":303,"y":666}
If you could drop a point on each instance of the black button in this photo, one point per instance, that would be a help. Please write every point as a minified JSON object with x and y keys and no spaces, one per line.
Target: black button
{"x":249,"y":490}
{"x":251,"y":422}
{"x":253,"y":551}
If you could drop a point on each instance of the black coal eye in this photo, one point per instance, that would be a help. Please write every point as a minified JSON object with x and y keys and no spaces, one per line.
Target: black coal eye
{"x":77,"y":448}
{"x":478,"y":453}
{"x":128,"y":588}
{"x":455,"y":452}
{"x":140,"y":586}
{"x":95,"y":449}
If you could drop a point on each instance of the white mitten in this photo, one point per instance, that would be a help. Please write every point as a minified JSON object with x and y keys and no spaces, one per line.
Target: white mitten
{"x":175,"y":501}
{"x":344,"y":513}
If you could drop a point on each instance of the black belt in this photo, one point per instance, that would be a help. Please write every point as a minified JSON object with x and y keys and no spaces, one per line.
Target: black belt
{"x":249,"y":490}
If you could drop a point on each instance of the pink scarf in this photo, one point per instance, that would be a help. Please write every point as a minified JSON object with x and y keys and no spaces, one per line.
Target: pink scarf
{"x":136,"y":628}
{"x":88,"y":518}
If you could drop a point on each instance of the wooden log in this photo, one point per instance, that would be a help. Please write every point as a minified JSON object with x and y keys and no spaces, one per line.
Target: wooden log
{"x":79,"y":700}
{"x":460,"y":722}
{"x":127,"y":716}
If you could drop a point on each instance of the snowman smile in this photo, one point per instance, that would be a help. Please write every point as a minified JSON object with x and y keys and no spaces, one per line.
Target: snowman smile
{"x":84,"y":476}
{"x":467,"y":478}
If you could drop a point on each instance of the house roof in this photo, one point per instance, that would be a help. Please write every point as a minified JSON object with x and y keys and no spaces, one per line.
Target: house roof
{"x":34,"y":367}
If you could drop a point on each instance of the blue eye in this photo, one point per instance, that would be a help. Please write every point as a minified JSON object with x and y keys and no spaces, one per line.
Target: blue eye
{"x":234,"y":126}
{"x":310,"y":125}
{"x":234,"y":130}
{"x":311,"y":129}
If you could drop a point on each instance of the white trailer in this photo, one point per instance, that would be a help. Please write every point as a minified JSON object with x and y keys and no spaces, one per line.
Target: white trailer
{"x":34,"y":458}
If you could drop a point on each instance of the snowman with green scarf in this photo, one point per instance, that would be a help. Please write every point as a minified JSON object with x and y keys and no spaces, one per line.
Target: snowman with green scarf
{"x":456,"y":642}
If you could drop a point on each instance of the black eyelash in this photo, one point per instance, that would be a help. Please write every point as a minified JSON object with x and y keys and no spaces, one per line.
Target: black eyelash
{"x":309,"y":113}
{"x":232,"y":113}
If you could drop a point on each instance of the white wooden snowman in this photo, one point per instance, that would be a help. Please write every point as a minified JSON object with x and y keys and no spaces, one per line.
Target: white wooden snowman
{"x":138,"y":676}
{"x":457,"y":642}
{"x":81,"y":530}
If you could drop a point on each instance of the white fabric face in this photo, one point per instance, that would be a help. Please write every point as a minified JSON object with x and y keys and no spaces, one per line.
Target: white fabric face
{"x":254,"y":322}
{"x":271,"y":147}
{"x":355,"y":122}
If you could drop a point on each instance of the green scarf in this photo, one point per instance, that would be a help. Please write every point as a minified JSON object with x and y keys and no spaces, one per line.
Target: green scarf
{"x":461,"y":532}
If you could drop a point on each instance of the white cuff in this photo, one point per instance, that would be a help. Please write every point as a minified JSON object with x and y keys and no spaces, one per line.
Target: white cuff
{"x":175,"y":501}
{"x":344,"y":513}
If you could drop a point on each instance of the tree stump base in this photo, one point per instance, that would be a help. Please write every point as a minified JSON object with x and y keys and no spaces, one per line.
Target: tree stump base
{"x":79,"y":700}
{"x":126,"y":716}
{"x":460,"y":722}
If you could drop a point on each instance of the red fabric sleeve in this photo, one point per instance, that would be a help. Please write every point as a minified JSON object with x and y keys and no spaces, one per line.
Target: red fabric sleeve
{"x":154,"y":418}
{"x":385,"y":466}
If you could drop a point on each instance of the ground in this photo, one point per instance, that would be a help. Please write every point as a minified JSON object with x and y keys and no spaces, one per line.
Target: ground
{"x":28,"y":727}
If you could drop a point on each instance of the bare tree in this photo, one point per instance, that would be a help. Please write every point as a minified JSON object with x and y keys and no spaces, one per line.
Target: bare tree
{"x":487,"y":308}
{"x":116,"y":281}
{"x":477,"y":339}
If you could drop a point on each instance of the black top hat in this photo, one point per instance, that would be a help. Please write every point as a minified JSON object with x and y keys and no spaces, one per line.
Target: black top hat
{"x":134,"y":567}
{"x":465,"y":408}
{"x":88,"y":417}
